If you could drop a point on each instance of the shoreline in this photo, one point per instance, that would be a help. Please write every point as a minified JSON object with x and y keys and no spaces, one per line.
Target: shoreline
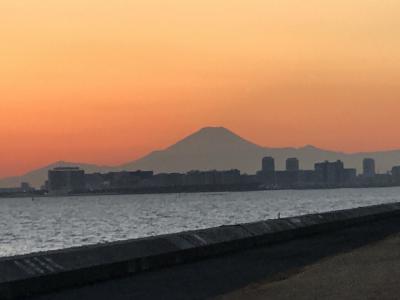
{"x":187,"y":191}
{"x":86,"y":265}
{"x":213,"y":275}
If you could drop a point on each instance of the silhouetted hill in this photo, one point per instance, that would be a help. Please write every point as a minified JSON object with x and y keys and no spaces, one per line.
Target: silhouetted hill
{"x":218,"y":148}
{"x":221,"y":149}
{"x":209,"y":148}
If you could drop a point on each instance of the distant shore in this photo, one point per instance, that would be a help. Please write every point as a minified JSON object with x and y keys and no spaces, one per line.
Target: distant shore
{"x":180,"y":190}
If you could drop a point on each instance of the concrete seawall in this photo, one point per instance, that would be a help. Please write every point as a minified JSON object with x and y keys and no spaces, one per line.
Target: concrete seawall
{"x":44,"y":272}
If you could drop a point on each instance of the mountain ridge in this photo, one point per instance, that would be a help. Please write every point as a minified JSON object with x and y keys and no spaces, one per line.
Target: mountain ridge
{"x":217,"y":148}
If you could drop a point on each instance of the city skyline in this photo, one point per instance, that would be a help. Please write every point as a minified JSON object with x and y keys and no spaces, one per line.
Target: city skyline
{"x":177,"y":149}
{"x":83,"y":79}
{"x":164,"y":147}
{"x":220,"y":149}
{"x":326,"y":174}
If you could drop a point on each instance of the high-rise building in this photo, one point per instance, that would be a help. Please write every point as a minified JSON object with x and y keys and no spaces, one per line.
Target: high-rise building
{"x":330,"y":173}
{"x":268,"y":164}
{"x":292,"y":164}
{"x":66,"y":179}
{"x":396,"y":174}
{"x":267,"y":175}
{"x":369,"y":167}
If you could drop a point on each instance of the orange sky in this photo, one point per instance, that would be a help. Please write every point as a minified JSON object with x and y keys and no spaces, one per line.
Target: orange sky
{"x":108,"y":81}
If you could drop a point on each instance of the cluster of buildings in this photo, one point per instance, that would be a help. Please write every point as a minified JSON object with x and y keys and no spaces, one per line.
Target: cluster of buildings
{"x":24,"y":188}
{"x":324,"y":175}
{"x":69,"y":180}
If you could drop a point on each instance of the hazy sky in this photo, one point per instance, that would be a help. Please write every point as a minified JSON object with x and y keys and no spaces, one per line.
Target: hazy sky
{"x":107,"y":81}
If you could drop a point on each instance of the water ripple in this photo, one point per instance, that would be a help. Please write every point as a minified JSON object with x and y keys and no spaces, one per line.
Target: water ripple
{"x":54,"y":223}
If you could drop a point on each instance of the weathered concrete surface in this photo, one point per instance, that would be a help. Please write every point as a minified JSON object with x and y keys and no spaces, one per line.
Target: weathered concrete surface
{"x":44,"y":272}
{"x":371,"y":272}
{"x":209,"y":278}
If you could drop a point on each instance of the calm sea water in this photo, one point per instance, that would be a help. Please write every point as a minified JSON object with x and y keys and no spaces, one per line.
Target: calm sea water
{"x":54,"y":223}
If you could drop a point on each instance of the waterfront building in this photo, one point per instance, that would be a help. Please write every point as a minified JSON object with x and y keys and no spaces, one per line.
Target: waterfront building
{"x":267,"y":175}
{"x":123,"y":180}
{"x":65,"y":180}
{"x":349,"y":176}
{"x":396,"y":174}
{"x":165,"y":180}
{"x":214,"y":177}
{"x":126,"y":179}
{"x":306,"y":178}
{"x":287,"y":179}
{"x":250,"y":180}
{"x":369,"y":167}
{"x":96,"y":182}
{"x":382,"y":180}
{"x":329,"y":173}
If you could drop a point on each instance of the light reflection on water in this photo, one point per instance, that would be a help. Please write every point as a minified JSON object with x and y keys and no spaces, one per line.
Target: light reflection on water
{"x":54,"y":223}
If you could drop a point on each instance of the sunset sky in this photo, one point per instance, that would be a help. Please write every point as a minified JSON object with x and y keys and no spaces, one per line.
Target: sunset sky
{"x":108,"y":81}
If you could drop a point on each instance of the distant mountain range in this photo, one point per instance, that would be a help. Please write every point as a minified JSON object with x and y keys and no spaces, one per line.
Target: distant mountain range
{"x":220,"y":149}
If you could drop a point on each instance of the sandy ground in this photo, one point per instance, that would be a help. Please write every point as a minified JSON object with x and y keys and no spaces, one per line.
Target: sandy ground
{"x":370,"y":272}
